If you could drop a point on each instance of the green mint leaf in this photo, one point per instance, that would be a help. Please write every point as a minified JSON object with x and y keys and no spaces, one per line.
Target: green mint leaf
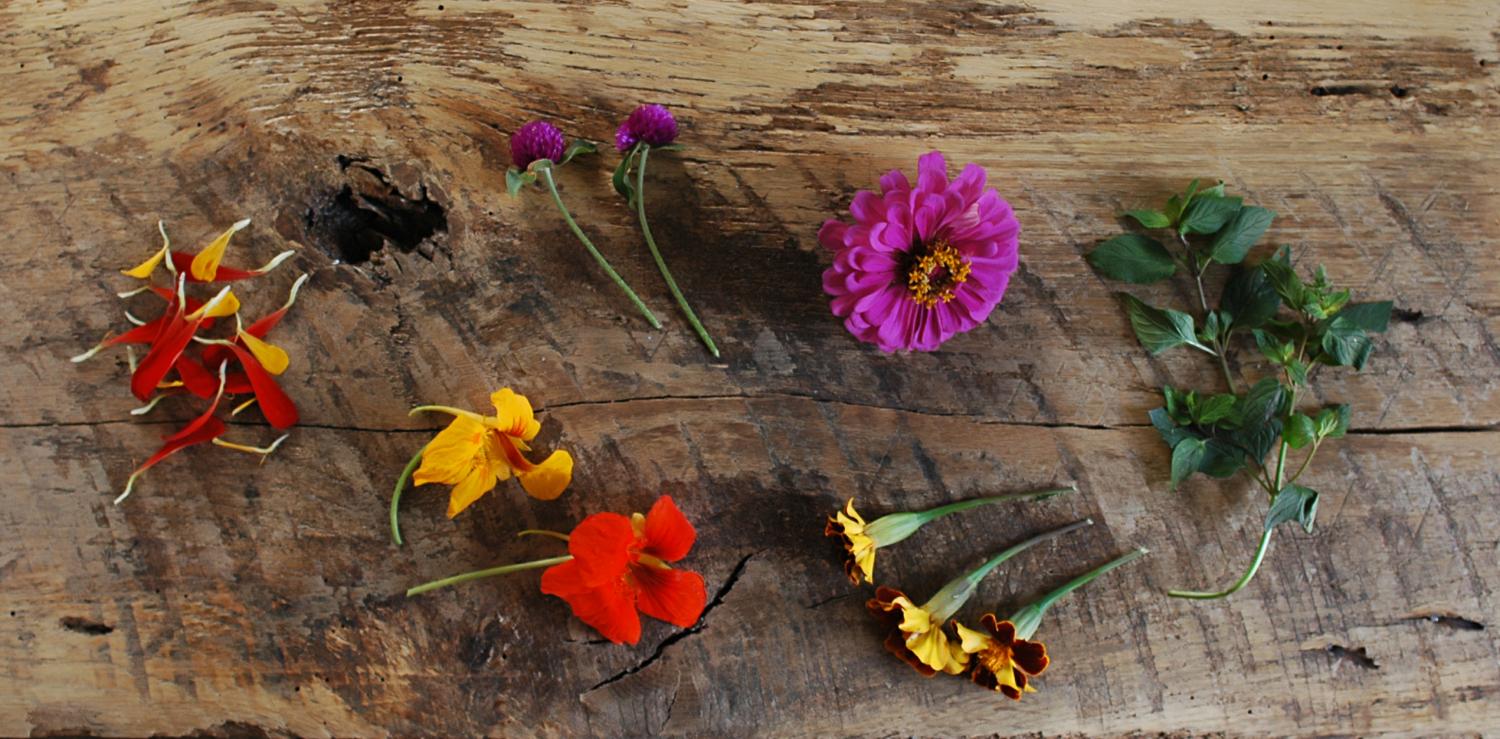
{"x":1374,"y":317}
{"x":1150,"y":218}
{"x":1158,"y":329}
{"x":1284,"y":281}
{"x":1176,"y":404}
{"x":1333,"y":421}
{"x":1221,"y":459}
{"x":1192,"y":190}
{"x":1186,"y":457}
{"x":1173,"y":211}
{"x":515,"y":179}
{"x":1170,"y":432}
{"x":579,"y":146}
{"x":1133,"y":258}
{"x":1256,"y":441}
{"x":1293,"y":503}
{"x":1300,"y":431}
{"x":1261,"y":403}
{"x":1233,"y":241}
{"x":1250,"y":297}
{"x":1298,"y":371}
{"x":1273,"y":349}
{"x":1216,"y":408}
{"x":1215,"y":191}
{"x":1345,"y":344}
{"x":1208,"y":213}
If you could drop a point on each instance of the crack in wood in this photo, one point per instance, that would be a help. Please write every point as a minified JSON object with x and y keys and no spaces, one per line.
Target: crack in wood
{"x":729,"y":583}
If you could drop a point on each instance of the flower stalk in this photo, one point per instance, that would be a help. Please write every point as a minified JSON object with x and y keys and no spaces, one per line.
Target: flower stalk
{"x":1030,"y":617}
{"x":946,"y":602}
{"x":546,"y":171}
{"x":536,"y":564}
{"x":643,"y":150}
{"x":411,"y":467}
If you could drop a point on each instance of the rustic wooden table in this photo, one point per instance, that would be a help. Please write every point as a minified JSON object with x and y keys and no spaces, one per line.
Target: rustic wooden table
{"x":235,"y":598}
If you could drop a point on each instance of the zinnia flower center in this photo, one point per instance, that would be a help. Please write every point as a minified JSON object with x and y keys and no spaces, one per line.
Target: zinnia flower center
{"x":935,"y":273}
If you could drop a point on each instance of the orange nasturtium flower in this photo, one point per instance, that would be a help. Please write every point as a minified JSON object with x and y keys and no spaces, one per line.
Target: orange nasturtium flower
{"x":917,"y":636}
{"x":1004,"y":659}
{"x":476,"y":452}
{"x":861,"y":539}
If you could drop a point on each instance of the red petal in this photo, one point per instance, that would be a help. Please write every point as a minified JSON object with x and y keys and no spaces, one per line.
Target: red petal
{"x":600,"y":545}
{"x":668,"y":533}
{"x":674,"y":596}
{"x":238,"y":383}
{"x":278,"y":409}
{"x":260,"y":328}
{"x":184,"y":262}
{"x":198,"y":380}
{"x":202,"y":429}
{"x":608,"y":609}
{"x":142,"y":334}
{"x":163,"y":354}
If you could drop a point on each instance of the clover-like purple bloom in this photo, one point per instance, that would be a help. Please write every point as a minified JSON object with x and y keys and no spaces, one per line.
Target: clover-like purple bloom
{"x":921,"y":263}
{"x":650,"y":123}
{"x":536,"y":140}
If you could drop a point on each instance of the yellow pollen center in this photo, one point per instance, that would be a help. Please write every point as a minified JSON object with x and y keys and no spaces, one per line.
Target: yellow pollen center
{"x":996,"y":659}
{"x":935,"y":275}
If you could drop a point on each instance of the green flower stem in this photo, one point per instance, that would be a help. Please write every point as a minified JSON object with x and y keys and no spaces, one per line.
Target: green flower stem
{"x":1030,"y":617}
{"x":396,"y":494}
{"x":661,"y":264}
{"x":964,"y":505}
{"x":491,"y":572}
{"x":603,"y":263}
{"x":1260,"y":555}
{"x":953,"y":595}
{"x":896,"y":527}
{"x":544,"y":532}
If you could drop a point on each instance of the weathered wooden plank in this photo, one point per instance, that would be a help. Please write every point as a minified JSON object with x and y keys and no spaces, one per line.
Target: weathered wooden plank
{"x":266,"y":598}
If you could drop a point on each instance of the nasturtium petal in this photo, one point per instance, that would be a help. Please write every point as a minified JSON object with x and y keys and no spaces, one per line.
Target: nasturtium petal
{"x":449,"y":455}
{"x":513,"y":414}
{"x":600,"y":544}
{"x":675,"y":596}
{"x":477,"y":481}
{"x":549,"y":479}
{"x":668,"y":533}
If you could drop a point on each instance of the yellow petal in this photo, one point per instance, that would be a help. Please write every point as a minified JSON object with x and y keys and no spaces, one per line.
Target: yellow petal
{"x":972,"y":641}
{"x":205,"y":266}
{"x":914,"y":620}
{"x":550,"y":478}
{"x":272,"y":357}
{"x":475,"y":484}
{"x":933,"y":649}
{"x":219,"y":306}
{"x":451,"y":454}
{"x":513,"y":414}
{"x":144,"y":269}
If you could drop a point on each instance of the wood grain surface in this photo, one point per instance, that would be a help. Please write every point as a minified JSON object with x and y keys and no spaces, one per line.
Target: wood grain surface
{"x":233,"y":598}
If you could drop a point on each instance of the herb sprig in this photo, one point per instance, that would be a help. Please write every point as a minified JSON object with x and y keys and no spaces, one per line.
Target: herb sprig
{"x":1296,"y":325}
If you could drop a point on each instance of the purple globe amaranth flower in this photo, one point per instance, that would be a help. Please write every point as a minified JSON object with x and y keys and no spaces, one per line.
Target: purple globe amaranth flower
{"x":650,"y":123}
{"x":536,"y":140}
{"x":921,"y":264}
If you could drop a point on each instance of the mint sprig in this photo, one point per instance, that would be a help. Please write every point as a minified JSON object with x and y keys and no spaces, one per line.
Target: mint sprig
{"x":1267,"y":312}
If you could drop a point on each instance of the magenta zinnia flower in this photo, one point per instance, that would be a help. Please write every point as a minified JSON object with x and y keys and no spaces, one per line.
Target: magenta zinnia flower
{"x":651,"y":123}
{"x":536,"y":140}
{"x":923,"y":263}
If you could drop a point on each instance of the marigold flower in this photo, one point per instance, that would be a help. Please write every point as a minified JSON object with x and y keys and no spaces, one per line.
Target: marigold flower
{"x":476,"y":452}
{"x":1002,"y":661}
{"x":917,"y":635}
{"x":861,"y":540}
{"x":650,"y":123}
{"x":619,"y":569}
{"x":535,"y":141}
{"x":921,"y":264}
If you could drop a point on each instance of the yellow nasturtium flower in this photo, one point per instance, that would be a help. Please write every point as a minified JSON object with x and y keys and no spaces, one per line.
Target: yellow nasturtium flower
{"x":476,"y":452}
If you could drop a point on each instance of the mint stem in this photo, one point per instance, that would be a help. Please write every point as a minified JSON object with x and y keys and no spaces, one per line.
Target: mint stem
{"x":661,"y":264}
{"x":396,"y":495}
{"x":603,"y":263}
{"x":491,"y":572}
{"x":1260,"y":555}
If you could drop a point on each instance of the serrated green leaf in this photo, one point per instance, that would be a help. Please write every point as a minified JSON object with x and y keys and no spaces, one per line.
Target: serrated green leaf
{"x":1159,"y":330}
{"x":1257,"y":441}
{"x":1250,"y":297}
{"x":1220,"y":459}
{"x":1185,"y":459}
{"x":1170,"y":432}
{"x":1344,"y":342}
{"x":1374,"y":317}
{"x":1206,"y":214}
{"x":1293,"y":503}
{"x":1298,"y":372}
{"x":1300,"y":431}
{"x":1273,"y":349}
{"x":579,"y":146}
{"x":1216,"y":408}
{"x":1333,"y":421}
{"x":1261,"y":403}
{"x":1234,"y":240}
{"x":1215,"y":191}
{"x":1150,"y":218}
{"x":1133,"y":258}
{"x":1285,"y":282}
